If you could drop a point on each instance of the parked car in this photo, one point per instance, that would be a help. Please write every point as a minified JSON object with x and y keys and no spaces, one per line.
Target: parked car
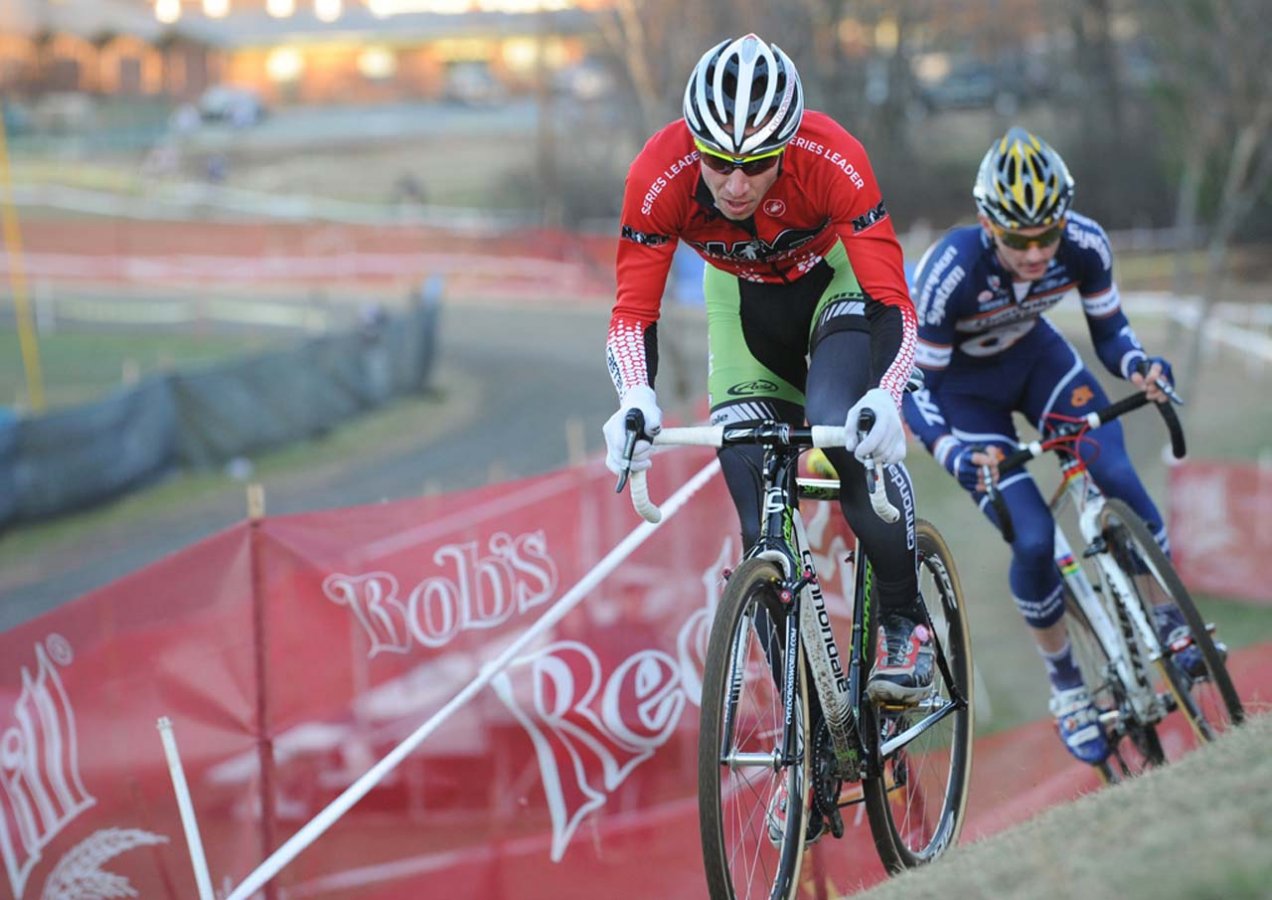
{"x":235,"y":106}
{"x":473,"y":84}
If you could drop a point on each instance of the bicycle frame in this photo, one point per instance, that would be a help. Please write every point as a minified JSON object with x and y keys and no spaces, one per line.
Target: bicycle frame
{"x":1079,"y":489}
{"x":784,"y":541}
{"x":840,"y":692}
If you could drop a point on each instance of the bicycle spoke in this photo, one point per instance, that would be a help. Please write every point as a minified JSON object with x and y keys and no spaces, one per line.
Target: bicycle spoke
{"x":916,"y":804}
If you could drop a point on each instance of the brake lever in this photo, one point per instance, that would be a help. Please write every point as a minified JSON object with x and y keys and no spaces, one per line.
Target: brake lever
{"x":635,"y":424}
{"x":1160,"y":382}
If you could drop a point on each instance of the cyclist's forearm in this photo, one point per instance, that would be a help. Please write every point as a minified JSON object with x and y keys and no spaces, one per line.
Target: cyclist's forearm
{"x":631,"y":352}
{"x":925,"y":420}
{"x":1114,"y":340}
{"x":893,"y":335}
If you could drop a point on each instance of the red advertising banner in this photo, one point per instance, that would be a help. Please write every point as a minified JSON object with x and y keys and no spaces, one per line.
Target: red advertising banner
{"x":292,"y":654}
{"x":1221,"y":528}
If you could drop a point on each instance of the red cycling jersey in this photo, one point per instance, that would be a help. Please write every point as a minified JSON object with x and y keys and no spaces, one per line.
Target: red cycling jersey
{"x":825,"y":191}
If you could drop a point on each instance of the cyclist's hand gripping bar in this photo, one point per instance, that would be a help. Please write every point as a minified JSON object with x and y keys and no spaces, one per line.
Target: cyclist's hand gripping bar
{"x":874,"y":474}
{"x":714,"y":436}
{"x":1090,"y":421}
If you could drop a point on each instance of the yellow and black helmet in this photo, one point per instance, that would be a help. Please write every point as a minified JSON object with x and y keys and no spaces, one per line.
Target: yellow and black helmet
{"x":1023,"y":182}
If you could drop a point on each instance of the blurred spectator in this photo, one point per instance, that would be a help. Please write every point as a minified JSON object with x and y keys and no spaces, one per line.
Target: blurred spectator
{"x":409,"y":190}
{"x":217,"y":168}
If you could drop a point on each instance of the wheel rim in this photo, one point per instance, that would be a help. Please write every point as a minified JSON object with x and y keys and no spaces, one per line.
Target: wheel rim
{"x":750,"y":863}
{"x":1206,"y":701}
{"x":925,"y":782}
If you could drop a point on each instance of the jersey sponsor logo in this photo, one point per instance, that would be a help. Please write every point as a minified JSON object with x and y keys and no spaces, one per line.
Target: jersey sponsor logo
{"x":774,"y":207}
{"x":934,"y":310}
{"x":866,"y":219}
{"x":758,"y":249}
{"x":1081,"y":396}
{"x":932,"y":299}
{"x":750,"y":388}
{"x":1086,"y":234}
{"x":927,"y":407}
{"x":640,"y":237}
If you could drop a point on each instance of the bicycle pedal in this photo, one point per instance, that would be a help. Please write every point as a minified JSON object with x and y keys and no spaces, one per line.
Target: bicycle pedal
{"x":836,"y":823}
{"x":1110,"y":717}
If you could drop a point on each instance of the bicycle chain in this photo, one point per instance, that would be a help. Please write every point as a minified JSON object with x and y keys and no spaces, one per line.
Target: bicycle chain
{"x":827,"y":782}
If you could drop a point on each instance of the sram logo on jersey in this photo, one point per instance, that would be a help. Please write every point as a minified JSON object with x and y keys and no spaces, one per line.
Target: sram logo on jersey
{"x":639,"y":237}
{"x":785,"y":243}
{"x":751,"y":388}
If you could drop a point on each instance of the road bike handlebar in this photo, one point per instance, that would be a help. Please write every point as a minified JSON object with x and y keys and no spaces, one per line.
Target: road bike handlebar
{"x":1065,"y":436}
{"x":766,"y":434}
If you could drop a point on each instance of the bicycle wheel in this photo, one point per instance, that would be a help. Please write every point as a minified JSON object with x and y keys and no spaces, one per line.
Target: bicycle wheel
{"x":917,"y":800}
{"x":1208,"y":700}
{"x":1135,"y":744}
{"x":752,"y":807}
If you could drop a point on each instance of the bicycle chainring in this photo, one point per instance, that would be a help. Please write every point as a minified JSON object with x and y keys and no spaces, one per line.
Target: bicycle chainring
{"x":827,"y":782}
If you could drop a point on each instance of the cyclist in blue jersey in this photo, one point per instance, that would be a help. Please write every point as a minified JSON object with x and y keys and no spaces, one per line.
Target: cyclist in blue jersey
{"x":987,"y":350}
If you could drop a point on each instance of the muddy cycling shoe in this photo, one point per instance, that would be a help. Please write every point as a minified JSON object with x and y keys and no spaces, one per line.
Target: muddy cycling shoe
{"x":776,"y":819}
{"x":1078,"y":721}
{"x":1176,"y":638}
{"x":902,"y":674}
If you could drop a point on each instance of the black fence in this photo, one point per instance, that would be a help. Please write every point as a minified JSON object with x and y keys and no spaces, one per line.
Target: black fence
{"x":71,"y":459}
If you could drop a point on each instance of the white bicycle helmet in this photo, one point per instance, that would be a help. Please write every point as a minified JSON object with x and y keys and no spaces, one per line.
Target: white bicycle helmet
{"x":1022,"y":182}
{"x":744,"y":98}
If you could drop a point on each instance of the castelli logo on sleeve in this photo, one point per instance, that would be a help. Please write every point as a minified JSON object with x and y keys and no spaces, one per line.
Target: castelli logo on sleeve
{"x":774,"y":208}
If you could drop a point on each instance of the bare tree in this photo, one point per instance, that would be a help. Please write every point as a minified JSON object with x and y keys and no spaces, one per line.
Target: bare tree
{"x":1217,"y":89}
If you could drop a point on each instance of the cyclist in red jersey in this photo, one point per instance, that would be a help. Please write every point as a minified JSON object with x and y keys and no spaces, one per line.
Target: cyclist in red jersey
{"x":808,"y":314}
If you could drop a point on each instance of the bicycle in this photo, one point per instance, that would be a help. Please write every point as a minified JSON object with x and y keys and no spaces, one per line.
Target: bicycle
{"x":1111,"y":588}
{"x":760,"y":738}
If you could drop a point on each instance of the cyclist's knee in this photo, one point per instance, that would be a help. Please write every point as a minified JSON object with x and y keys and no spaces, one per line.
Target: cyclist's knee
{"x":1034,"y":546}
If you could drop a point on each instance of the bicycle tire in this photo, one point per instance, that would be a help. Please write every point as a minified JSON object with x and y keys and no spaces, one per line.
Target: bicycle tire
{"x":1210,"y":702}
{"x":908,"y":829}
{"x":1135,"y":745}
{"x":741,"y":860}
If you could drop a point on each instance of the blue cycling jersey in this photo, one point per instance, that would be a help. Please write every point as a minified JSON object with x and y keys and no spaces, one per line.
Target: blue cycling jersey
{"x":988,"y":351}
{"x":971,"y":313}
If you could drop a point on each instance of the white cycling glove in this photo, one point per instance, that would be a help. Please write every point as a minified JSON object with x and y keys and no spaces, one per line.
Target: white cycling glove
{"x":640,"y":397}
{"x":884,"y":442}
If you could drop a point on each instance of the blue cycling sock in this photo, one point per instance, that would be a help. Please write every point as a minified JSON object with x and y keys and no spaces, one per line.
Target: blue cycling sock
{"x":1061,"y":668}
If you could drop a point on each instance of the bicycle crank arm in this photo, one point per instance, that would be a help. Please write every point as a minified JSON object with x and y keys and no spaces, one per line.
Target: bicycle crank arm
{"x":895,"y":743}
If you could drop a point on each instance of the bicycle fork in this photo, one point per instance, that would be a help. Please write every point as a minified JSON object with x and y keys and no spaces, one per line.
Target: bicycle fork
{"x":1113,"y":635}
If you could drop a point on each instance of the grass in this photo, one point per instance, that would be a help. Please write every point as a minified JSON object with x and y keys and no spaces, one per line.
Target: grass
{"x":80,"y":366}
{"x":1198,"y":828}
{"x":402,"y":423}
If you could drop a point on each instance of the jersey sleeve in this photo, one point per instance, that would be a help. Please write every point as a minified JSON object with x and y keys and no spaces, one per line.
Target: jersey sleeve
{"x":1112,"y":337}
{"x":862,"y":221}
{"x":939,"y":279}
{"x":646,"y":245}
